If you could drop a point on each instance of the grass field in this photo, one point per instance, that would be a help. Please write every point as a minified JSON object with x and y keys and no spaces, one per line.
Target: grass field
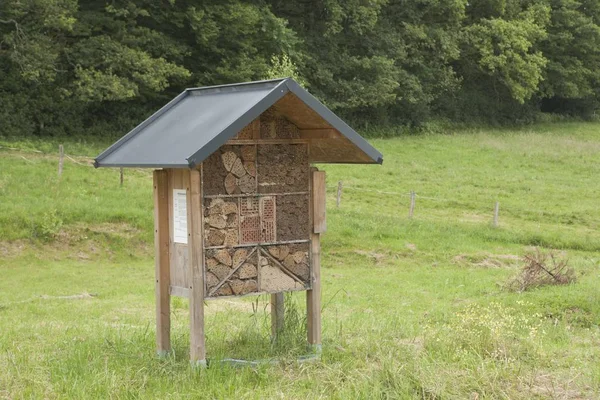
{"x":412,"y":308}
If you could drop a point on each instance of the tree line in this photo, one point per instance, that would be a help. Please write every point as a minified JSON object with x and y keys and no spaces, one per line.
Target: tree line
{"x":98,"y":67}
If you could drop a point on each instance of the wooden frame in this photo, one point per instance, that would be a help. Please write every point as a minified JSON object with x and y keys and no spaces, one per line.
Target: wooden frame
{"x":180,"y":267}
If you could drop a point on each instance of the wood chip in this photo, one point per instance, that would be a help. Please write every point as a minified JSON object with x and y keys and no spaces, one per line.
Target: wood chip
{"x":299,"y":256}
{"x":250,"y":167}
{"x":223,"y":257}
{"x":216,"y":202}
{"x":247,"y":271}
{"x":239,"y":256}
{"x":217,"y":221}
{"x":230,"y":184}
{"x":228,"y":158}
{"x":264,"y":261}
{"x":247,"y":184}
{"x":238,"y":168}
{"x":249,"y":153}
{"x":283,"y":252}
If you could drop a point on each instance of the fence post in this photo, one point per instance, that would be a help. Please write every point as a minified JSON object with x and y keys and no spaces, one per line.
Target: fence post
{"x":496,"y":211}
{"x":411,"y":210}
{"x":61,"y":157}
{"x":121,"y":176}
{"x":339,"y":194}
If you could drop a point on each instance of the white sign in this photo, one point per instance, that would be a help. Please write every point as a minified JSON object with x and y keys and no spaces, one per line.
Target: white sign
{"x":180,"y":232}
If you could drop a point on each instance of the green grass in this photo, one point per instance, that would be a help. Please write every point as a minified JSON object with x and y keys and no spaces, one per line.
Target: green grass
{"x":412,"y":308}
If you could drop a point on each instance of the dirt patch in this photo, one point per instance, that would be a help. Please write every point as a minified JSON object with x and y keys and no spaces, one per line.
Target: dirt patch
{"x":487,"y":260}
{"x":292,"y":218}
{"x":378,"y":258}
{"x":283,"y":168}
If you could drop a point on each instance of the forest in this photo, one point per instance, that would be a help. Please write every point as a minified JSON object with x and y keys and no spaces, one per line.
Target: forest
{"x":97,"y":68}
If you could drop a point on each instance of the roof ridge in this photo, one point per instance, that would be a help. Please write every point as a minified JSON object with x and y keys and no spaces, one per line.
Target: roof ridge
{"x":240,"y":84}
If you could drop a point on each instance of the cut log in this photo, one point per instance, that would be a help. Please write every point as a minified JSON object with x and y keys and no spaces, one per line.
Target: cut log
{"x":211,"y":280}
{"x":230,"y":184}
{"x":217,"y":221}
{"x":221,"y":271}
{"x":247,"y":184}
{"x":224,"y":290}
{"x":211,"y":263}
{"x":223,"y":257}
{"x":237,"y":285}
{"x":247,"y":271}
{"x":250,"y":168}
{"x":301,"y":271}
{"x":300,"y":256}
{"x":229,"y":208}
{"x":249,"y":286}
{"x":249,"y":153}
{"x":274,"y":250}
{"x":289,"y":261}
{"x":239,"y":256}
{"x":231,"y":238}
{"x":232,"y":221}
{"x":284,"y":251}
{"x":238,"y":168}
{"x":228,"y":158}
{"x":215,"y":237}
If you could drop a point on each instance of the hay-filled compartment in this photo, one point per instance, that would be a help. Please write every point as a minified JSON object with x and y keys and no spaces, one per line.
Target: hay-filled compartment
{"x":256,"y":219}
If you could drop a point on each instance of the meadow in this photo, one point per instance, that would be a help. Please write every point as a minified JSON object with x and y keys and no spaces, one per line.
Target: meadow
{"x":412,"y":308}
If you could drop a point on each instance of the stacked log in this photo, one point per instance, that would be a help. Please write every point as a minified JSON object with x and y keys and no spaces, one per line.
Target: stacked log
{"x":221,"y":223}
{"x":294,"y":259}
{"x":230,"y":272}
{"x":241,"y":171}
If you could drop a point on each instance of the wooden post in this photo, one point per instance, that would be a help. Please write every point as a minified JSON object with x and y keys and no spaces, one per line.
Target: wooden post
{"x":411,"y":210}
{"x":496,"y":212}
{"x":196,"y":270}
{"x":313,"y":296}
{"x":161,"y":262}
{"x":121,"y":177}
{"x":277,"y":314}
{"x":339,"y":194}
{"x":61,"y":159}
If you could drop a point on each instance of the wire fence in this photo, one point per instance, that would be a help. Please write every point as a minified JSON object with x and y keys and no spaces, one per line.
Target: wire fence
{"x":493,"y":210}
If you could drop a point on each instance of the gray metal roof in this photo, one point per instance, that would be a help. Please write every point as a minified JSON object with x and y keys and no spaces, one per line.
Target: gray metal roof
{"x":197,"y":122}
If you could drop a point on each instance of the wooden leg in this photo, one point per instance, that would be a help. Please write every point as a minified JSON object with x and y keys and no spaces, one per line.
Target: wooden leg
{"x":313,"y":296}
{"x":196,"y":261}
{"x":319,"y":225}
{"x":277,"y":314}
{"x":161,"y":245}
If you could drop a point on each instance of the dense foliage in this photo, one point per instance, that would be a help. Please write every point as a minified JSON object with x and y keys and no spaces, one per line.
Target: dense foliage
{"x":98,"y":67}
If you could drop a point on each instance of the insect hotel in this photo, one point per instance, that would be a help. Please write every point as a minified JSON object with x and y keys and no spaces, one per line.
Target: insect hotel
{"x":238,"y":209}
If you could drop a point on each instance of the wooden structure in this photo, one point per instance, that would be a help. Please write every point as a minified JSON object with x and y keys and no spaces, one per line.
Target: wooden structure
{"x":238,"y":208}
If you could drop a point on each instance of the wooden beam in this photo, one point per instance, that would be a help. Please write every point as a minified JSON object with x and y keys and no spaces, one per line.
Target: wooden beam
{"x":319,"y":192}
{"x":313,"y":296}
{"x":196,"y":269}
{"x":161,"y":262}
{"x":277,"y":314}
{"x":179,"y":291}
{"x":319,"y":134}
